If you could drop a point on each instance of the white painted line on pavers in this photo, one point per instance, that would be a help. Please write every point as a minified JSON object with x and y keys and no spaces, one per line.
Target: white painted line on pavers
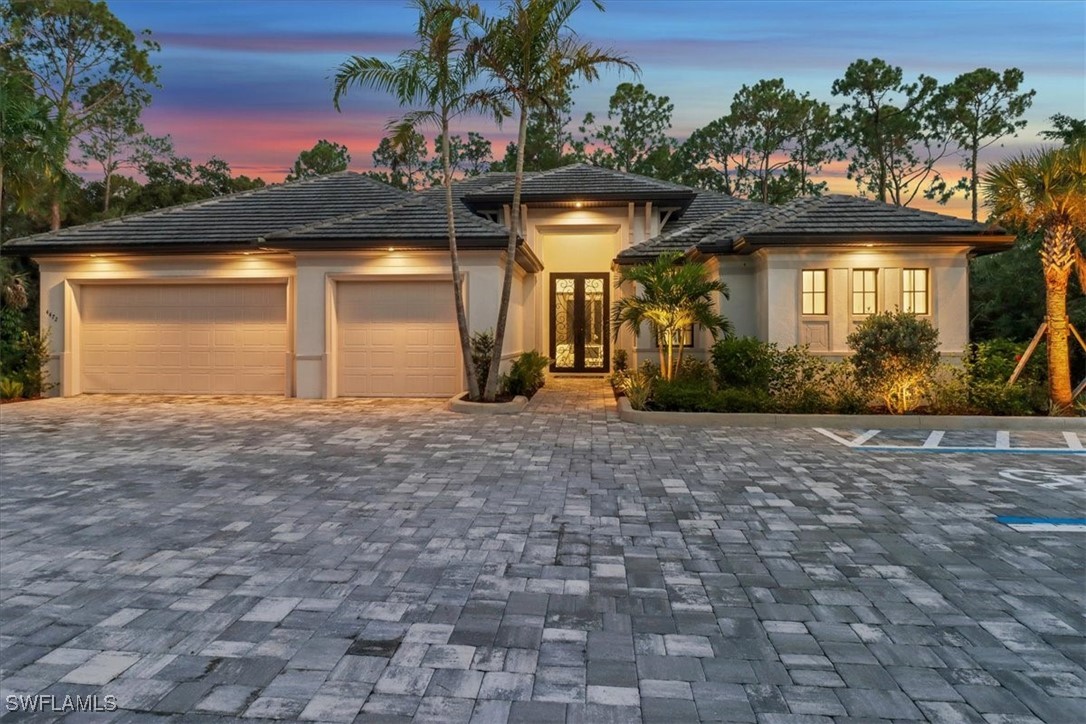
{"x":932,"y":444}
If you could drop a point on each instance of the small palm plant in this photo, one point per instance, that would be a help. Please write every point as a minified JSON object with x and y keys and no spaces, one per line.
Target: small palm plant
{"x":670,"y":294}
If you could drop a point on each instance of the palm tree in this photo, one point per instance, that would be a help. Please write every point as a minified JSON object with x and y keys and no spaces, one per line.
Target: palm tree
{"x":1045,"y":191}
{"x":438,"y":76}
{"x":533,"y":56}
{"x":671,"y":295}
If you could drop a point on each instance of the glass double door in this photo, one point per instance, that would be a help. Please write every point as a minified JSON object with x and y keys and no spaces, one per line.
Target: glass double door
{"x":579,"y":322}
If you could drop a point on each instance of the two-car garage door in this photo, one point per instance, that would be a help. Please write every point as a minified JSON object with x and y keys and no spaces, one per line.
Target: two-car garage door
{"x":199,"y":339}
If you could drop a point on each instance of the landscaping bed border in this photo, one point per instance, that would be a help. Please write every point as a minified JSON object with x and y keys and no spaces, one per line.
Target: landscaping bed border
{"x":466,"y":407}
{"x":626,"y":413}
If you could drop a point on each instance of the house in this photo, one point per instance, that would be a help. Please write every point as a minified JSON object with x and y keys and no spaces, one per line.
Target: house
{"x":340,"y":286}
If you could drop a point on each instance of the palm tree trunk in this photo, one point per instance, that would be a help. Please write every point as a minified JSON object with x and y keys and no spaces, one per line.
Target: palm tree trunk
{"x":1058,"y":257}
{"x":454,"y":257}
{"x":510,"y":259}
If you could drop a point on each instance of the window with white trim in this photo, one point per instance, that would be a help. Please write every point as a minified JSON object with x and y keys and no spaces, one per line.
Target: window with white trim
{"x":814,"y":291}
{"x":914,"y":291}
{"x":865,"y":291}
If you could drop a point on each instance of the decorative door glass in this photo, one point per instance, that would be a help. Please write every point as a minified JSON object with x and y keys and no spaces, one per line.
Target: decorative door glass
{"x":579,"y":325}
{"x":593,"y":323}
{"x":564,"y":338}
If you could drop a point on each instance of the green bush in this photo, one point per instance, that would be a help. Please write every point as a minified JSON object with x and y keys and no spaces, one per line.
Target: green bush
{"x":482,"y":349}
{"x":949,"y":393}
{"x":995,"y":361}
{"x":10,"y":389}
{"x":526,"y":374}
{"x":798,"y":382}
{"x":620,"y":361}
{"x":682,"y":395}
{"x":896,"y":354}
{"x":692,"y":369}
{"x":744,"y":362}
{"x":998,"y":398}
{"x":844,"y":394}
{"x":742,"y":399}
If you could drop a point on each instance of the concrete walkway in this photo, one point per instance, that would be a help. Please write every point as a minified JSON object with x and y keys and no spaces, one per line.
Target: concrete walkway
{"x":247,"y":559}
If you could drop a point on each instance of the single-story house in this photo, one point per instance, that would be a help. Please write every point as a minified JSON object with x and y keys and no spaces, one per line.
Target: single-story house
{"x":341,"y":286}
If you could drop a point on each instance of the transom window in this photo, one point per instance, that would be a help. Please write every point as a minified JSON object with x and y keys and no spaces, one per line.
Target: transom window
{"x":814,"y":291}
{"x":914,"y":291}
{"x":864,"y":291}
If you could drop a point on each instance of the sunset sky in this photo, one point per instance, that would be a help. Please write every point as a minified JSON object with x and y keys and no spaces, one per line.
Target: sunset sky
{"x":249,"y":81}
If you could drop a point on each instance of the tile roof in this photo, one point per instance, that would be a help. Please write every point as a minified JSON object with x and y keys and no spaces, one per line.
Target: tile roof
{"x":583,"y":181}
{"x":811,"y":221}
{"x":418,"y":218}
{"x":840,"y":214}
{"x":725,"y":225}
{"x":235,"y":220}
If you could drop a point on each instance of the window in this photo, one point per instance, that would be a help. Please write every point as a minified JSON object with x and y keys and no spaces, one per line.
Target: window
{"x":864,"y":296}
{"x":681,"y":337}
{"x":914,"y":291}
{"x":814,"y":291}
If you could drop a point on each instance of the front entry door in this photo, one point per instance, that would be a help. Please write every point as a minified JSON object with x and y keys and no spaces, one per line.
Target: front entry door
{"x":579,"y":323}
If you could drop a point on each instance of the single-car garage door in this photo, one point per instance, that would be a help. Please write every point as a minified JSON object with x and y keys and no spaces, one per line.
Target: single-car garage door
{"x":397,"y":339}
{"x":184,"y":338}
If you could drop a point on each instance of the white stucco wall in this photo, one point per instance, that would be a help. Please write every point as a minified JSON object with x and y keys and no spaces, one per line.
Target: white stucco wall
{"x":577,"y":240}
{"x":778,"y":293}
{"x":310,"y":279}
{"x":62,"y":279}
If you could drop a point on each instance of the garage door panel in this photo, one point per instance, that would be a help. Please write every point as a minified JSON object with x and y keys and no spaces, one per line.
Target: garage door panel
{"x":397,"y":338}
{"x":184,"y":338}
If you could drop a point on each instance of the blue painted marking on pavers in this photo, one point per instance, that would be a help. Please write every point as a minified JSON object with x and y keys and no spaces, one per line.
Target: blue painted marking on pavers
{"x":1024,"y":520}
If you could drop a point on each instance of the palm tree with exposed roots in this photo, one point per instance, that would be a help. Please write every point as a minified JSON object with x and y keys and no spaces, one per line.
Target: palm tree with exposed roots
{"x":1045,"y":191}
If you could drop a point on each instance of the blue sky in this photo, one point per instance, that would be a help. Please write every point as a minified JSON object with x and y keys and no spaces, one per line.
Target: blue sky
{"x":248,"y":80}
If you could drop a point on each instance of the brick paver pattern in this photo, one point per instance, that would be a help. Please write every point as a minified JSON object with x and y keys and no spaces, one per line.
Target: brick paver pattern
{"x":355,"y":560}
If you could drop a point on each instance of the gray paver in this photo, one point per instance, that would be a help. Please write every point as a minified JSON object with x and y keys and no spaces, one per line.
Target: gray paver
{"x":266,"y":559}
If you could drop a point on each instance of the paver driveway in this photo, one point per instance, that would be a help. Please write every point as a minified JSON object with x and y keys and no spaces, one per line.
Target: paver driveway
{"x":332,"y":560}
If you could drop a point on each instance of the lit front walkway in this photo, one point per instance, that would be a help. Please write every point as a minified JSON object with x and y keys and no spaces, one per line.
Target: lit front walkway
{"x":285,"y":559}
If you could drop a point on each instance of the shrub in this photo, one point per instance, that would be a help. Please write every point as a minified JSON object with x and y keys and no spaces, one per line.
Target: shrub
{"x":692,"y":369}
{"x":638,"y":388}
{"x":995,"y":360}
{"x":798,"y":384}
{"x":687,"y":395}
{"x":650,"y":369}
{"x":895,"y":357}
{"x":10,"y":389}
{"x":744,"y":362}
{"x":741,"y":399}
{"x":845,"y":396}
{"x":949,"y":392}
{"x":526,"y":374}
{"x":482,"y":349}
{"x":620,"y":361}
{"x":998,"y":398}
